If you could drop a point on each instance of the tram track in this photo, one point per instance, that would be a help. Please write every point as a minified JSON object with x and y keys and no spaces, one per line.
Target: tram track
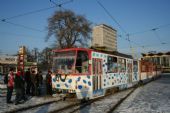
{"x":73,"y":108}
{"x":59,"y":105}
{"x":120,"y":101}
{"x":67,"y":106}
{"x":22,"y":109}
{"x":124,"y":98}
{"x":72,"y":105}
{"x":76,"y":106}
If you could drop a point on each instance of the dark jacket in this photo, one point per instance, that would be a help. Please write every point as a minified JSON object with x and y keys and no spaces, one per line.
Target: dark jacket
{"x":48,"y":78}
{"x":19,"y":81}
{"x":28,"y":76}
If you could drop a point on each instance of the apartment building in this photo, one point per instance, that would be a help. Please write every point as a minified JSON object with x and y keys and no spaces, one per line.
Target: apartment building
{"x":104,"y":36}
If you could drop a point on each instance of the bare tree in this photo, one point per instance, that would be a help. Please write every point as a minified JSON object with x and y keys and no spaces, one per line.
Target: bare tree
{"x":70,"y":30}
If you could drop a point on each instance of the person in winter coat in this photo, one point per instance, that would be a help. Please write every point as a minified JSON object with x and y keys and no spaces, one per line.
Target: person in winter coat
{"x":39,"y":82}
{"x":33,"y":83}
{"x":28,"y":81}
{"x":10,"y":85}
{"x":18,"y":87}
{"x":49,"y":83}
{"x":23,"y":96}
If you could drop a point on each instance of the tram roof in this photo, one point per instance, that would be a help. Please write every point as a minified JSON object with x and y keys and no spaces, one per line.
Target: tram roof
{"x":97,"y":50}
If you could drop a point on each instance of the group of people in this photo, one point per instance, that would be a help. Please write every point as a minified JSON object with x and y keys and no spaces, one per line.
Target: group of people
{"x":26,"y":84}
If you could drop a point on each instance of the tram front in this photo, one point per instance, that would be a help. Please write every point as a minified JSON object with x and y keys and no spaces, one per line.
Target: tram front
{"x":71,"y":73}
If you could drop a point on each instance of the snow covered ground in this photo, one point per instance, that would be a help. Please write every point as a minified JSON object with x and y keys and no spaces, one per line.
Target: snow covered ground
{"x":32,"y":101}
{"x":100,"y":106}
{"x":151,"y":98}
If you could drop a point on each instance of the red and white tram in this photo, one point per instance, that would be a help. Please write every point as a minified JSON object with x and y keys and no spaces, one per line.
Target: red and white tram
{"x":89,"y":73}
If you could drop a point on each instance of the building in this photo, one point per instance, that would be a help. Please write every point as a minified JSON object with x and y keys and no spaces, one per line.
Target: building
{"x":104,"y":36}
{"x":18,"y":62}
{"x":162,"y":59}
{"x":7,"y":62}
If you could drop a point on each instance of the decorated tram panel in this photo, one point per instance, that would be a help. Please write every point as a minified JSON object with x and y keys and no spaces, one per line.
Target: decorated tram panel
{"x":89,"y":73}
{"x":114,"y":70}
{"x":71,"y":72}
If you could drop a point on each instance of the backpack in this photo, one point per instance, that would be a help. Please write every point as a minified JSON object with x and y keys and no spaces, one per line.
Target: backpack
{"x":6,"y":79}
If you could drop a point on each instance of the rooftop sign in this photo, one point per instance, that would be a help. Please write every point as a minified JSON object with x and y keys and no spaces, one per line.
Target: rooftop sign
{"x":8,"y":59}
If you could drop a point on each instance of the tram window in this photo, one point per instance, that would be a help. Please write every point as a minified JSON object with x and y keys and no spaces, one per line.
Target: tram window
{"x":143,"y":68}
{"x":64,"y":62}
{"x":82,"y":62}
{"x":135,"y":66}
{"x":122,"y":64}
{"x":1,"y":69}
{"x":112,"y":66}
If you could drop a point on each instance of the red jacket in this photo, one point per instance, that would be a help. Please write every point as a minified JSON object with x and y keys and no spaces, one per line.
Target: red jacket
{"x":11,"y":80}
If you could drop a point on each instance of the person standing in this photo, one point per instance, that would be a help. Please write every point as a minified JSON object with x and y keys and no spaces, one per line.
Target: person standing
{"x":18,"y":87}
{"x":23,"y":85}
{"x":10,"y":85}
{"x":48,"y":83}
{"x":40,"y":78}
{"x":28,"y":81}
{"x":39,"y":83}
{"x":33,"y":83}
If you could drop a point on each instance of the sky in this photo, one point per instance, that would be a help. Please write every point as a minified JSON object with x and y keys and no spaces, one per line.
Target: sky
{"x":145,"y":22}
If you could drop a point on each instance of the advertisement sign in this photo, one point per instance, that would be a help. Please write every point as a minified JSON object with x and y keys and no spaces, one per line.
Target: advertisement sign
{"x":8,"y":59}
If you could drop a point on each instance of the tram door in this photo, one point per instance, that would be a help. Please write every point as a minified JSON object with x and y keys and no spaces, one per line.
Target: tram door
{"x":97,"y":73}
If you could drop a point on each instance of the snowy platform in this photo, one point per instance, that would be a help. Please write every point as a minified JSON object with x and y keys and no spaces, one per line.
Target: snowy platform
{"x":30,"y":103}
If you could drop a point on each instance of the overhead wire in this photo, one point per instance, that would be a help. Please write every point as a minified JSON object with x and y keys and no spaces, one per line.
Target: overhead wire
{"x":118,"y":24}
{"x":5,"y":20}
{"x":60,"y":5}
{"x":29,"y":13}
{"x":157,"y":35}
{"x":23,"y":26}
{"x":108,"y":13}
{"x":148,"y":30}
{"x":38,"y":10}
{"x":129,"y":34}
{"x":154,"y":30}
{"x":17,"y":34}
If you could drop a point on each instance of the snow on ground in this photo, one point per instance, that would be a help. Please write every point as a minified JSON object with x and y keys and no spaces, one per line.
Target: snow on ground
{"x":49,"y":107}
{"x":32,"y":101}
{"x":3,"y":86}
{"x":104,"y":105}
{"x":100,"y":106}
{"x":151,"y":98}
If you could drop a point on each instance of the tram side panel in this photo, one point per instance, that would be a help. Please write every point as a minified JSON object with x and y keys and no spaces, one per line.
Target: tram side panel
{"x":98,"y":72}
{"x":113,"y":73}
{"x":136,"y":74}
{"x":143,"y":71}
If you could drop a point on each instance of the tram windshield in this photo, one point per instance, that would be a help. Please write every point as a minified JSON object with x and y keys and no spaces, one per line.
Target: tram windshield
{"x":63,"y":62}
{"x":68,"y":63}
